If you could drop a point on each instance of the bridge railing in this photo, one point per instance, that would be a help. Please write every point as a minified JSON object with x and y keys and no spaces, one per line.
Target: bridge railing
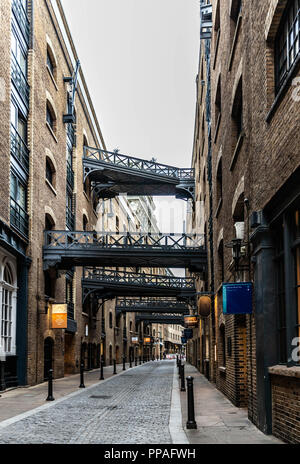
{"x":68,"y":240}
{"x":139,"y":279}
{"x":138,"y":164}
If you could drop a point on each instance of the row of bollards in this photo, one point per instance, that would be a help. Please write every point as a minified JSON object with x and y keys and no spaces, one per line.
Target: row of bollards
{"x":50,"y":376}
{"x":191,"y":423}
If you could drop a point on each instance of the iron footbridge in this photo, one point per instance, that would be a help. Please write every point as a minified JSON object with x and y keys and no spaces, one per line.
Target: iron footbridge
{"x":112,"y":173}
{"x":153,"y":305}
{"x":108,"y":284}
{"x":65,"y":249}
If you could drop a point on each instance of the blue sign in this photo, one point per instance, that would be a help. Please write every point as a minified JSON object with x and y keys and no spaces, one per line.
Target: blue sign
{"x":188,"y":333}
{"x":237,"y":298}
{"x":183,"y":340}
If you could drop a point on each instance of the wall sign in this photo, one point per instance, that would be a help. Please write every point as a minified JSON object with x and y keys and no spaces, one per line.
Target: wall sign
{"x":59,"y":316}
{"x":135,"y":340}
{"x":147,"y":340}
{"x":191,"y":321}
{"x":188,"y":333}
{"x":237,"y":298}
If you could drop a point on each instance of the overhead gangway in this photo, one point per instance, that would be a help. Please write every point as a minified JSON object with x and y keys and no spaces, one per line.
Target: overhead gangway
{"x":108,"y":284}
{"x":165,"y":305}
{"x":112,"y":173}
{"x":67,"y":249}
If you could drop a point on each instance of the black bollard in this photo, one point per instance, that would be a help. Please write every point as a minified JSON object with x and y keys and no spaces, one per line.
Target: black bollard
{"x":140,"y":360}
{"x":177,"y":360}
{"x":191,"y":423}
{"x":50,"y":386}
{"x":182,"y":379}
{"x":81,"y":375}
{"x":130,"y":361}
{"x":135,"y":361}
{"x":101,"y":370}
{"x":115,"y":367}
{"x":143,"y":359}
{"x":179,"y":366}
{"x":124,"y":368}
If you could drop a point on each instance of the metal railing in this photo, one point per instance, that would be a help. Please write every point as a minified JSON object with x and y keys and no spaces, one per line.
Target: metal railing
{"x":19,"y":149}
{"x":70,"y":223}
{"x":70,"y":175}
{"x":131,"y":278}
{"x":122,"y":240}
{"x":152,"y":303}
{"x":19,"y":217}
{"x":19,"y":80}
{"x":137,"y":164}
{"x":70,"y":310}
{"x":21,"y":18}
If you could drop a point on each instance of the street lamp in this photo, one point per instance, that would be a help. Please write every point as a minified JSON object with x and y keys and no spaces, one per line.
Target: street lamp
{"x":236,"y":244}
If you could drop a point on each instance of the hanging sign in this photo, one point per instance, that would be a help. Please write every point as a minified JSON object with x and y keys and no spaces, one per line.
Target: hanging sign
{"x":59,"y":316}
{"x":188,"y":333}
{"x":237,"y":298}
{"x":135,"y":340}
{"x":147,"y":340}
{"x":191,"y":321}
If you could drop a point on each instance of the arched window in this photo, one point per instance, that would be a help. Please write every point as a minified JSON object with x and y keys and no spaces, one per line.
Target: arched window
{"x":8,"y":311}
{"x":237,"y":114}
{"x":50,"y":171}
{"x":50,"y":117}
{"x":85,"y":222}
{"x":51,"y":64}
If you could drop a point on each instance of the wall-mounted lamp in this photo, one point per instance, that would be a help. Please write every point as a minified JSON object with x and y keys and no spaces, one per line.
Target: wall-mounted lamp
{"x":236,"y":244}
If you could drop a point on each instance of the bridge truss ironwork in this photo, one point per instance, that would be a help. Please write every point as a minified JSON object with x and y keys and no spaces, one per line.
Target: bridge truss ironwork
{"x":153,"y":305}
{"x":67,"y":249}
{"x":109,"y":283}
{"x":113,"y":173}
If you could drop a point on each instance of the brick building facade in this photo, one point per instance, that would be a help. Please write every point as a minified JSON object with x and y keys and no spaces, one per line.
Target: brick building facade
{"x":42,"y":188}
{"x":246,"y":156}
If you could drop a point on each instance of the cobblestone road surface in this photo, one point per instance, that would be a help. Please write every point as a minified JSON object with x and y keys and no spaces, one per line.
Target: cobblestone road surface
{"x":131,"y":408}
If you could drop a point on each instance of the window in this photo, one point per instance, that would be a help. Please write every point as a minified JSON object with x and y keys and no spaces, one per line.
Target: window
{"x":85,"y":222}
{"x":237,"y":112}
{"x":19,"y":54}
{"x":287,"y":49}
{"x":51,"y":63}
{"x":218,"y":106}
{"x":8,"y":311}
{"x":69,"y":295}
{"x":110,"y":320}
{"x":49,"y":171}
{"x":287,"y":245}
{"x":50,"y":117}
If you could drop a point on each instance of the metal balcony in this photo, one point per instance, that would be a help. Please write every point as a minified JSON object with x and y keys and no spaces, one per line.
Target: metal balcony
{"x":19,"y":80}
{"x":19,"y":218}
{"x":114,"y":173}
{"x":159,"y":319}
{"x":70,"y":221}
{"x":21,"y":18}
{"x":108,"y":284}
{"x":70,"y":175}
{"x":19,"y":149}
{"x":66,"y":249}
{"x":151,"y":305}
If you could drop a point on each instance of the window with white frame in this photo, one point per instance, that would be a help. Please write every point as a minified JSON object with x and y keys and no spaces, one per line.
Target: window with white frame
{"x":287,"y":48}
{"x":8,"y":311}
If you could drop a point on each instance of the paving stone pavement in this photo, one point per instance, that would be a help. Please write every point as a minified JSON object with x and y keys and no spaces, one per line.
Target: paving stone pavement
{"x":133,"y":408}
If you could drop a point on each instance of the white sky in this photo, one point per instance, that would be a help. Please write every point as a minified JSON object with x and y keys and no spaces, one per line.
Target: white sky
{"x":140,"y":61}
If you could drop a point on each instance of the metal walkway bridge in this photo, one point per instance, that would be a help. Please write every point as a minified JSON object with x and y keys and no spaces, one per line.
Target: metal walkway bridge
{"x":152,"y":305}
{"x":108,"y":284}
{"x":65,"y":249}
{"x":160,"y":319}
{"x":112,"y":173}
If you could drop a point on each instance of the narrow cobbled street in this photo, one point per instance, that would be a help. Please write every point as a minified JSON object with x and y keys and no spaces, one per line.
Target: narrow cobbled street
{"x":142,"y":405}
{"x":130,"y":408}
